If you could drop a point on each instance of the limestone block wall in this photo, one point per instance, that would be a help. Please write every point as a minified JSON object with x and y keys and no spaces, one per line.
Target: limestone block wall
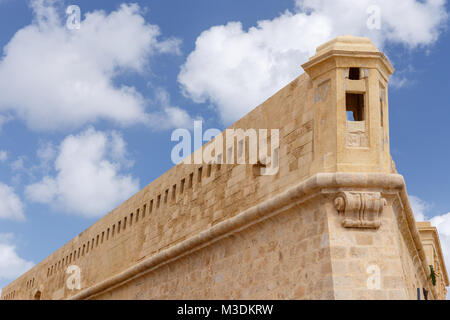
{"x":389,"y":251}
{"x":182,"y":202}
{"x":283,"y":257}
{"x":295,"y":246}
{"x":434,"y":256}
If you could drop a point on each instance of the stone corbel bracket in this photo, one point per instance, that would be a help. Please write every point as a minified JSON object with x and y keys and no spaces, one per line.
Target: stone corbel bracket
{"x":360,"y":209}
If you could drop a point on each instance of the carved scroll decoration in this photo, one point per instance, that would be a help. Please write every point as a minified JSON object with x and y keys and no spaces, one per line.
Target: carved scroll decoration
{"x":360,"y":209}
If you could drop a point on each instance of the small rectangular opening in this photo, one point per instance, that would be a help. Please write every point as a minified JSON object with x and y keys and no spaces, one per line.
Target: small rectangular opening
{"x":208,"y":170}
{"x":131,"y":219}
{"x":103,"y":236}
{"x":166,"y":195}
{"x":174,"y":192}
{"x":119,"y":224}
{"x":113,"y":230}
{"x":137,"y":215}
{"x":183,"y":181}
{"x":354,"y":103}
{"x":158,"y":202}
{"x":199,"y":177}
{"x":125,"y":223}
{"x":354,"y":74}
{"x":191,"y":178}
{"x":219,"y":161}
{"x":107,"y":234}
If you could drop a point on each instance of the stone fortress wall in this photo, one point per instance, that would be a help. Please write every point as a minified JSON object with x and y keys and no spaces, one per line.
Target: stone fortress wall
{"x":335,"y":209}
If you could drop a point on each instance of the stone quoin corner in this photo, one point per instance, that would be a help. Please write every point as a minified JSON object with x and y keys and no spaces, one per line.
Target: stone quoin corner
{"x":334,"y":222}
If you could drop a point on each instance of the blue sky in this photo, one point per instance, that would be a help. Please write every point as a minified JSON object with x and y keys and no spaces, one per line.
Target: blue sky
{"x":82,"y":108}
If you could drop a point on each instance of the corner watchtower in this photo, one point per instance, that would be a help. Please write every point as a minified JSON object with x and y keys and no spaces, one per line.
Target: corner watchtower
{"x":350,"y":78}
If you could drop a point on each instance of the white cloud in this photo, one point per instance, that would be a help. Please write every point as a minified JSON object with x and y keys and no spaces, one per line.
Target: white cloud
{"x":11,"y":264}
{"x":237,"y":69}
{"x":419,"y":208}
{"x":11,"y":207}
{"x":46,"y":153}
{"x":169,"y":116}
{"x":89,"y":181}
{"x":18,"y":164}
{"x":3,"y":155}
{"x":408,"y":22}
{"x":4,"y":118}
{"x":52,"y":77}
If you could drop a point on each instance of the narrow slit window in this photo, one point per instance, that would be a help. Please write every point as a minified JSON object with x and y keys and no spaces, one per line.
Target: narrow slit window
{"x":354,"y":106}
{"x":208,"y":170}
{"x":199,"y":177}
{"x":98,"y":238}
{"x":92,"y":245}
{"x":219,"y":161}
{"x":113,"y":230}
{"x":119,"y":224}
{"x":354,"y":74}
{"x":125,"y":223}
{"x":107,"y":234}
{"x":131,"y":219}
{"x":158,"y":202}
{"x":191,"y":178}
{"x":87,"y":248}
{"x":137,"y":215}
{"x":103,"y":236}
{"x":166,"y":195}
{"x":174,"y":192}
{"x":183,"y":181}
